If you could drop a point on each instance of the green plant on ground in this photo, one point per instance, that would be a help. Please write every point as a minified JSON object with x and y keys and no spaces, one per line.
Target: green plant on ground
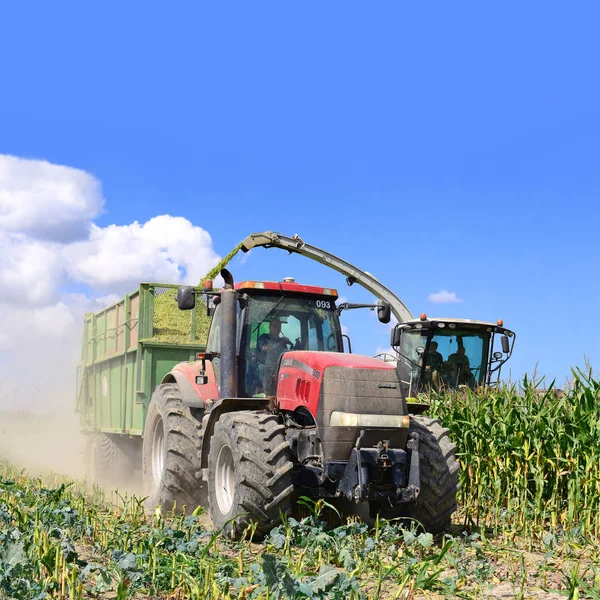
{"x":527,"y":519}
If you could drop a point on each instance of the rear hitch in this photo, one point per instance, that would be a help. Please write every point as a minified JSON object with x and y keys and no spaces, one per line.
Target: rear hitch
{"x":379,"y":472}
{"x":383,"y":457}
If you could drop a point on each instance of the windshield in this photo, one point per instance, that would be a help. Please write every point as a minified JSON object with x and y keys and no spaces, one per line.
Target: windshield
{"x":449,"y":358}
{"x":275,"y":324}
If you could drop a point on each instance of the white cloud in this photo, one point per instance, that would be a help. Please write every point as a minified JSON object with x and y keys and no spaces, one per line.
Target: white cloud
{"x":26,"y":328}
{"x":243,"y":257}
{"x":48,"y":241}
{"x":30,"y":270}
{"x":47,"y":201}
{"x":166,"y":248}
{"x":38,"y":352}
{"x":444,"y":297}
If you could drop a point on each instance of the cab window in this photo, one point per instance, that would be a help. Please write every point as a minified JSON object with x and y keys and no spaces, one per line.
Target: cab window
{"x":277,"y":324}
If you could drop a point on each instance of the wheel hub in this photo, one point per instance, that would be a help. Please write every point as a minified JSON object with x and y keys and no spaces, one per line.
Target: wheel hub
{"x":158,"y":452}
{"x":225,"y":480}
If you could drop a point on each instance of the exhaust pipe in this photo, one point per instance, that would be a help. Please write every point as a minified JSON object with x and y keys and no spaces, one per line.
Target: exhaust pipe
{"x":228,"y":366}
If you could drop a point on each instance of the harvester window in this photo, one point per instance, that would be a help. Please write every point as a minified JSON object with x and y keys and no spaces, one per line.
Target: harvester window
{"x":447,"y":359}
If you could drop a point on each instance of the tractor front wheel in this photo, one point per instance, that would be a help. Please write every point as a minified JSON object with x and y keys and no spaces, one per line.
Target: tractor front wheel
{"x":250,"y":473}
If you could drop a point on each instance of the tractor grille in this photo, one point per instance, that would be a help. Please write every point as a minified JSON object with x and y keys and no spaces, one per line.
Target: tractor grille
{"x":362,"y":391}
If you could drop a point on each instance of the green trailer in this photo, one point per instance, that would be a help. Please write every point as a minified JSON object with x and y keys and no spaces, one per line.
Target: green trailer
{"x":127,"y":349}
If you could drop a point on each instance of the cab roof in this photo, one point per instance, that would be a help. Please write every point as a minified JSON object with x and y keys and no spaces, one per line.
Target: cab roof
{"x":433,"y":322}
{"x":285,"y":286}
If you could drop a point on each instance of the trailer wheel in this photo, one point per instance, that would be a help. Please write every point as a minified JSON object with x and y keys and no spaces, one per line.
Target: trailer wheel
{"x":250,"y":473}
{"x":107,"y":462}
{"x":439,"y":479}
{"x":171,"y":453}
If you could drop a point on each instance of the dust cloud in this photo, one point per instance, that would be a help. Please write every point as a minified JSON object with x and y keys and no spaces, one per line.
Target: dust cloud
{"x":42,"y":443}
{"x":39,"y":428}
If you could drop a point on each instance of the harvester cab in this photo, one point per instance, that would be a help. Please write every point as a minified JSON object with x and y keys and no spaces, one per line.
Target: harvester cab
{"x":441,"y":353}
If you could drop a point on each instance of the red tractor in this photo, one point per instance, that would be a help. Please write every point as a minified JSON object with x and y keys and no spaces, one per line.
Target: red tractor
{"x":275,"y":409}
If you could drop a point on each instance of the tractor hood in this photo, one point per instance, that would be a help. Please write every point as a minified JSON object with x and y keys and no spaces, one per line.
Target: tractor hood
{"x":318,"y":381}
{"x":319,"y":361}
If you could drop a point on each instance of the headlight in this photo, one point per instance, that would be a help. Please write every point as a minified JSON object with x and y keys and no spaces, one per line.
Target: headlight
{"x":345,"y":419}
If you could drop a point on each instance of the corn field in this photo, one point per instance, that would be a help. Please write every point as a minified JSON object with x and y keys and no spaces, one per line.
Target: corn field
{"x":530,"y":459}
{"x":527,"y":523}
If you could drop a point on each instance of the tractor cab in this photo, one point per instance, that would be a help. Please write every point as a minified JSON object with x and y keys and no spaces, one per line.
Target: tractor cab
{"x":274,"y":318}
{"x":450,"y":353}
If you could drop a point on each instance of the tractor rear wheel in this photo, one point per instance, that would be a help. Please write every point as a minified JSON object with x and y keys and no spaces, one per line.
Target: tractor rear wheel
{"x":107,"y":462}
{"x":171,"y":453}
{"x":439,"y":475}
{"x":250,"y":473}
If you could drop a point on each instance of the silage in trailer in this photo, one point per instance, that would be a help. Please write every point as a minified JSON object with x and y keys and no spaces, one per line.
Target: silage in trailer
{"x":173,"y":326}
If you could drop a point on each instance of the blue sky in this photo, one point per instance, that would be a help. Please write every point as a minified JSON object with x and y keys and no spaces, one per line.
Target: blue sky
{"x":441,"y":146}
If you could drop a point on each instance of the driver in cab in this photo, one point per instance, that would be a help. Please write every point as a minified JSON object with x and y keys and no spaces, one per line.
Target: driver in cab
{"x":461,"y":367}
{"x":275,"y":345}
{"x":433,"y":364}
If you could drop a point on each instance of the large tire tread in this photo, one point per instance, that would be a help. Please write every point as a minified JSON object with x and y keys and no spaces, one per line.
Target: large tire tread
{"x":108,"y":463}
{"x":181,"y":482}
{"x":262,"y":462}
{"x":439,"y":475}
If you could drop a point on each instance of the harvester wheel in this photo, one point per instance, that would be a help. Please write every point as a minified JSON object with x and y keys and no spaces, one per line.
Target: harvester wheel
{"x":439,"y":475}
{"x":107,"y":462}
{"x":171,"y":453}
{"x":250,"y":473}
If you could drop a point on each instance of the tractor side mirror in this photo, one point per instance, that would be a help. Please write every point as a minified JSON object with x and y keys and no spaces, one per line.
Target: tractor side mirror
{"x":505,"y":344}
{"x":395,"y":337}
{"x":384,"y":311}
{"x":186,"y":297}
